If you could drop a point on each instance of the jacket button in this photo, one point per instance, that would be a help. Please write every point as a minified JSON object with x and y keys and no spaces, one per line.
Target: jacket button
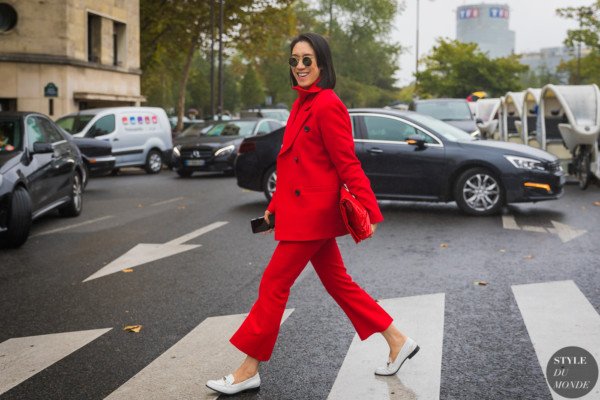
{"x":297,"y":192}
{"x":296,"y":159}
{"x":306,"y":129}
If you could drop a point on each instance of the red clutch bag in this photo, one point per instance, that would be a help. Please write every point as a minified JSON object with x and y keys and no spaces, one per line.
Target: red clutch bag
{"x":355,"y":216}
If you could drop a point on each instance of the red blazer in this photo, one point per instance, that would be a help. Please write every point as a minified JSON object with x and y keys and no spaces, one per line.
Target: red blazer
{"x":317,"y":156}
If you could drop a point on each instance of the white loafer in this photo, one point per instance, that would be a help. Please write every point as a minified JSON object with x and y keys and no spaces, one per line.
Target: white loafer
{"x":225,"y":385}
{"x":408,"y":350}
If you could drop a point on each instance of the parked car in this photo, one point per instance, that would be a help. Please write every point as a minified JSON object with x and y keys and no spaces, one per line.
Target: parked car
{"x":411,"y":156}
{"x":455,"y":112}
{"x":96,"y":155}
{"x":215,"y":149}
{"x":140,"y":136}
{"x":280,"y":114}
{"x":40,"y":170}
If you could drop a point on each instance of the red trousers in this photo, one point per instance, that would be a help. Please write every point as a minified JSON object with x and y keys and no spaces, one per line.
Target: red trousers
{"x":257,"y":335}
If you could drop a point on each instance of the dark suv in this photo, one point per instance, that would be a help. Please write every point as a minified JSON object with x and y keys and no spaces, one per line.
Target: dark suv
{"x":40,"y":170}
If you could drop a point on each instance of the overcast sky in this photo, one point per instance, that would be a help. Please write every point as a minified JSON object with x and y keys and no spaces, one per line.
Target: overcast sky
{"x":535,"y":23}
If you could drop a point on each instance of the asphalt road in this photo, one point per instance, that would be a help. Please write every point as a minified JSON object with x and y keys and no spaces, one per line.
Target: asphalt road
{"x":485,"y":347}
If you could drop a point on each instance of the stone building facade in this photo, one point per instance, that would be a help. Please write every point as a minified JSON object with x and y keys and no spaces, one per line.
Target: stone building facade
{"x":60,"y":56}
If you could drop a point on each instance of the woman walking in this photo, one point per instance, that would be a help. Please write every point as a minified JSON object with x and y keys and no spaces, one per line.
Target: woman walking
{"x":316,"y":158}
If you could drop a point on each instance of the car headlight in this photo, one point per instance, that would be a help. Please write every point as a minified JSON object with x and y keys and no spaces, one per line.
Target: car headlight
{"x":177,"y":150}
{"x":526,"y":163}
{"x":225,"y":151}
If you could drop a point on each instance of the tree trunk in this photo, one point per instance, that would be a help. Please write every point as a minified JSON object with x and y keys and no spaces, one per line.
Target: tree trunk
{"x":183,"y":84}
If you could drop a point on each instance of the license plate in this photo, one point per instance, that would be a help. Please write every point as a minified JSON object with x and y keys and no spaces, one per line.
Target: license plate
{"x":194,"y":163}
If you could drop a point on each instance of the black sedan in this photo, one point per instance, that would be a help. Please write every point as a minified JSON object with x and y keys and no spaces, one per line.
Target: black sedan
{"x":96,"y":155}
{"x":409,"y":156}
{"x":40,"y":170}
{"x":215,"y":148}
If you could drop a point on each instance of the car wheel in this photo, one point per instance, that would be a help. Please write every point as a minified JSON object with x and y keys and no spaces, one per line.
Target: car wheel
{"x":184,"y":173}
{"x":19,"y":218}
{"x":478,"y":192}
{"x":114,"y":172}
{"x":583,"y":167}
{"x":269,"y":182}
{"x":73,"y":208}
{"x":153,"y":162}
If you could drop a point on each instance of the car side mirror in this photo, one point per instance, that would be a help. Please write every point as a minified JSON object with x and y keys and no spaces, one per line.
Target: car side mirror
{"x":479,"y":121}
{"x":259,"y":133}
{"x":416,"y":141}
{"x":42,"y":148}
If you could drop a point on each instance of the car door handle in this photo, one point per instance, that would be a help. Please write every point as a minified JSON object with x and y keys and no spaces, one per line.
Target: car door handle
{"x":115,"y":139}
{"x":375,"y":150}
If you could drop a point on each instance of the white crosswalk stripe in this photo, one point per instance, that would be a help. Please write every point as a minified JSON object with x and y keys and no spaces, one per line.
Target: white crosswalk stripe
{"x":182,"y":371}
{"x":421,"y":318}
{"x":21,"y":358}
{"x":558,"y":315}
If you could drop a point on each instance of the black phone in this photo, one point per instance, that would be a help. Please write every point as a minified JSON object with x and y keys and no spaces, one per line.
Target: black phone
{"x":260,"y":225}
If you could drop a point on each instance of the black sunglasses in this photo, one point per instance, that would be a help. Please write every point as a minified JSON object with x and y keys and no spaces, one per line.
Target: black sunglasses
{"x":293,"y":61}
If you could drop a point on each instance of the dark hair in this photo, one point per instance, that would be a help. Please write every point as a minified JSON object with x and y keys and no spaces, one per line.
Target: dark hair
{"x":324,"y":61}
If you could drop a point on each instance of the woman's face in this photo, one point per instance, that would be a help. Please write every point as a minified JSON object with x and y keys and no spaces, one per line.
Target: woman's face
{"x":305,"y":76}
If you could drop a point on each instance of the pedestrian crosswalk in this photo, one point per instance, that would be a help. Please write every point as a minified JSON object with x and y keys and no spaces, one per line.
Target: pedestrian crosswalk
{"x":556,"y":315}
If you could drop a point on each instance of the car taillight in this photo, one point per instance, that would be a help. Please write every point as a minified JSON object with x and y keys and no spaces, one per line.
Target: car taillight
{"x":247,"y":147}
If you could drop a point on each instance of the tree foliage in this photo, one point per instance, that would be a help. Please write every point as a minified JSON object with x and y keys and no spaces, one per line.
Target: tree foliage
{"x":175,"y":50}
{"x":587,"y":69}
{"x":456,"y":69}
{"x":588,"y":32}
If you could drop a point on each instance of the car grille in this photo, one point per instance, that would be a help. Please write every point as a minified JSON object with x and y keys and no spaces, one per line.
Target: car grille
{"x":201,"y":153}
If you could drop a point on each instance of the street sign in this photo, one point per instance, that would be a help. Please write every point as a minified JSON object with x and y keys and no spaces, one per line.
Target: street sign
{"x":50,"y":90}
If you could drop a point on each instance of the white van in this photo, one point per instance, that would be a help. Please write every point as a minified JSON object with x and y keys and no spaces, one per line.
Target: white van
{"x":140,"y":136}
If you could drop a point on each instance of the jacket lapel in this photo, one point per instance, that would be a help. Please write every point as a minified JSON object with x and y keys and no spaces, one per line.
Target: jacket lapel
{"x":292,"y":130}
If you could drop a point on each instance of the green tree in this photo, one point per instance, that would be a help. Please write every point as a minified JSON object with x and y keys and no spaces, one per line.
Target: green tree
{"x":586,"y":71}
{"x":252,"y":94}
{"x":583,"y":69}
{"x":455,"y":69}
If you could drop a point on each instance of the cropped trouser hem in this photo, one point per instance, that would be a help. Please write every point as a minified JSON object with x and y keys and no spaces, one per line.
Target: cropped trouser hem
{"x":258,"y":333}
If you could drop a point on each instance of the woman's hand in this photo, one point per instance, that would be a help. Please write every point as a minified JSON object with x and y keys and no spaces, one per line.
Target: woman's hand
{"x":267,"y":215}
{"x":373,"y":228}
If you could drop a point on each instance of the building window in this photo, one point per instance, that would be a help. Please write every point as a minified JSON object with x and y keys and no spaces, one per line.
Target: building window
{"x":119,"y":41}
{"x":94,"y":37}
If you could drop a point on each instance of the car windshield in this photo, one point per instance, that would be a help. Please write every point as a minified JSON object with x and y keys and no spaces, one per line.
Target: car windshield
{"x":74,"y":123}
{"x":11,"y":137}
{"x":232,"y":128}
{"x":448,"y":131}
{"x":280,"y":115}
{"x":445,"y":110}
{"x":195,"y":130}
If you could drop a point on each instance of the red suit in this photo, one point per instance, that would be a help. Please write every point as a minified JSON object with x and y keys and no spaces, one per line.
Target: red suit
{"x":316,"y":158}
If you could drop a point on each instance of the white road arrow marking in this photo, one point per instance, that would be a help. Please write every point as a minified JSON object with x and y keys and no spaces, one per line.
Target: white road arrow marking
{"x":558,"y":315}
{"x":182,"y":371}
{"x":145,"y":253}
{"x":564,"y":231}
{"x":21,"y":358}
{"x":420,"y":317}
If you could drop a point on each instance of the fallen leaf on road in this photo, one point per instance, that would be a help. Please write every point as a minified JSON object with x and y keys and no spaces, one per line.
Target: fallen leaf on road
{"x":528,"y":257}
{"x":597,"y":203}
{"x":480,"y":283}
{"x":133,"y":328}
{"x":181,"y":207}
{"x":444,"y":245}
{"x":128,"y":270}
{"x":140,"y":206}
